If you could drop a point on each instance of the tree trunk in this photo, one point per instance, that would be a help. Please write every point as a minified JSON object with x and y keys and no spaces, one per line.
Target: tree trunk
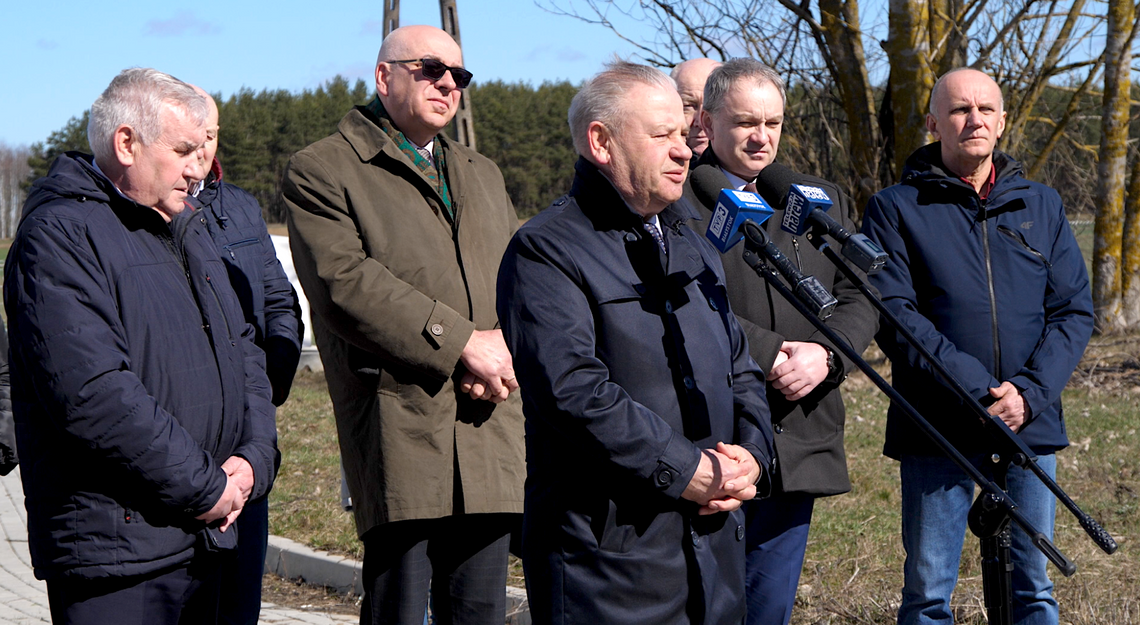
{"x":1107,"y":244}
{"x":839,"y":20}
{"x":912,"y":76}
{"x":1130,"y":254}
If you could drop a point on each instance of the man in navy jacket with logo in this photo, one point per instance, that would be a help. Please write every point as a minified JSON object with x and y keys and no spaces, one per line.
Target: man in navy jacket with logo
{"x":985,"y":271}
{"x":143,"y":414}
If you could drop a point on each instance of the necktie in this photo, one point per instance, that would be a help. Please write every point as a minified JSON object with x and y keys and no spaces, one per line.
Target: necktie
{"x":656,"y":234}
{"x":750,"y":187}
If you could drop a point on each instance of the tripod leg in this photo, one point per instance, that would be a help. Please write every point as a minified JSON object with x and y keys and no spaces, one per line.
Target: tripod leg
{"x":990,"y":523}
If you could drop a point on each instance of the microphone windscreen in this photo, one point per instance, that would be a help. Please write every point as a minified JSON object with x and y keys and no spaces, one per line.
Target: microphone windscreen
{"x":707,"y":183}
{"x":773,"y":183}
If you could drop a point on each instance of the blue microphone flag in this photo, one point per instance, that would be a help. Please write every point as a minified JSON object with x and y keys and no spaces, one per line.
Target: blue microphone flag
{"x":733,"y":208}
{"x":802,"y":200}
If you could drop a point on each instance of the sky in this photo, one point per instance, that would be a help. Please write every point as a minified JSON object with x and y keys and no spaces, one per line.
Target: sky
{"x":61,"y":55}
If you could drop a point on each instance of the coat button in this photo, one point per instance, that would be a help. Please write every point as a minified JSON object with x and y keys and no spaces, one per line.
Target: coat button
{"x":712,"y":304}
{"x":739,"y":532}
{"x":730,"y":380}
{"x":779,"y":428}
{"x":665,"y":478}
{"x":668,"y":306}
{"x":696,"y":538}
{"x":436,"y":329}
{"x":689,"y":383}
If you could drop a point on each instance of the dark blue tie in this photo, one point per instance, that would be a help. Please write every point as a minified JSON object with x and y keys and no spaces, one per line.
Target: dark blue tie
{"x":656,"y":234}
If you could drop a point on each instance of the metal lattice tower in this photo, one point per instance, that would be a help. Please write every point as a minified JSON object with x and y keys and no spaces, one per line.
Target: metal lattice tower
{"x":462,"y":127}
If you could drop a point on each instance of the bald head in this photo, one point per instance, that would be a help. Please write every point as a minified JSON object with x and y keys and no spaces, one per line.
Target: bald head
{"x":407,"y":42}
{"x":418,"y":105}
{"x":690,"y":77}
{"x":210,"y":149}
{"x":938,"y":93}
{"x":967,"y":117}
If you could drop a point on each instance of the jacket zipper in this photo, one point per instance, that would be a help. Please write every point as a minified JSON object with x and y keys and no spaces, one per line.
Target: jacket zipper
{"x":990,"y":284}
{"x":1020,"y":240}
{"x":244,"y":242}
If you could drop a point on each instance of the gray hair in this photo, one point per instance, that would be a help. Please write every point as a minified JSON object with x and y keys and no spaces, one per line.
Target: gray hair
{"x":135,"y":98}
{"x":722,"y":79}
{"x":938,"y":85}
{"x":602,"y":98}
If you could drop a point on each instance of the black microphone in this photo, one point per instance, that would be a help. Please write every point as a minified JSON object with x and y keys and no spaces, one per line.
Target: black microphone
{"x":737,"y":215}
{"x":806,"y":205}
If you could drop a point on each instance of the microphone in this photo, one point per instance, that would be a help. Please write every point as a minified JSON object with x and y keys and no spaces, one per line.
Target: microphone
{"x":738,"y":215}
{"x":806,"y":206}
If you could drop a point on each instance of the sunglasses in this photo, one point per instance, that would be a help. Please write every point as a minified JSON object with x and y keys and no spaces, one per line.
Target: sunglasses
{"x":434,"y":70}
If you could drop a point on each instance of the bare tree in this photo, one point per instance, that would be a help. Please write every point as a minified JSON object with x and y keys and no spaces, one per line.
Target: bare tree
{"x":821,"y":46}
{"x":14,"y":170}
{"x":1109,"y":229}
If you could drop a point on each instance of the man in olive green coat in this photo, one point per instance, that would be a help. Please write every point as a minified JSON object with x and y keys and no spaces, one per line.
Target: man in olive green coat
{"x":396,"y":234}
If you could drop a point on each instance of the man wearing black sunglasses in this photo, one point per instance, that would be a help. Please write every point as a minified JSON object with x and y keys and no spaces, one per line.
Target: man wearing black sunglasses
{"x":396,"y":233}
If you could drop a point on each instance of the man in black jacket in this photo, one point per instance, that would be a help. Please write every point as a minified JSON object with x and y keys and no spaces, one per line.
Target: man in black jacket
{"x":234,"y":221}
{"x":143,"y":412}
{"x":743,"y":116}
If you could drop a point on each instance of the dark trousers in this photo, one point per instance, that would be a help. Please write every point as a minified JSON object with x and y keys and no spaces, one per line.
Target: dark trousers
{"x":776,"y":539}
{"x":240,"y":601}
{"x":184,"y":595}
{"x":462,"y":559}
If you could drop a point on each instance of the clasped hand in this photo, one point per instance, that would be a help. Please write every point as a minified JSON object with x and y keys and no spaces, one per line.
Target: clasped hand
{"x":725,"y":478}
{"x":239,"y":486}
{"x":490,"y":371}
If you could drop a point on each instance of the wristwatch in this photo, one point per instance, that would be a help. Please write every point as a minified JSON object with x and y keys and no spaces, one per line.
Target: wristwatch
{"x":833,"y":372}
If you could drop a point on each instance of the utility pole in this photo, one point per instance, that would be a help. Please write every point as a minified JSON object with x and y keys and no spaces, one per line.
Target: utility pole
{"x":463,"y":127}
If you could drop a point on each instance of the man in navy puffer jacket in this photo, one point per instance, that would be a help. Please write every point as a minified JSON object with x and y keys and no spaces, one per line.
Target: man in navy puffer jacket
{"x":986,"y":273}
{"x":233,"y":218}
{"x":143,"y":413}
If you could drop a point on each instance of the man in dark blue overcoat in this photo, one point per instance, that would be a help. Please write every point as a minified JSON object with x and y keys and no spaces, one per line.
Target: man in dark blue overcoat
{"x":646,"y":419}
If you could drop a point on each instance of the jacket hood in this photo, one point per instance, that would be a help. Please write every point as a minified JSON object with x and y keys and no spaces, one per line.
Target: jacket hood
{"x":73,"y":175}
{"x":925,"y":164}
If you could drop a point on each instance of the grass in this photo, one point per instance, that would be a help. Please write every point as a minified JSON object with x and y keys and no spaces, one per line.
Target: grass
{"x":853,"y":571}
{"x":305,"y":501}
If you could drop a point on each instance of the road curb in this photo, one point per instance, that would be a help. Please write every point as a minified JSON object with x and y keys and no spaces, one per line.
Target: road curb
{"x":292,"y":560}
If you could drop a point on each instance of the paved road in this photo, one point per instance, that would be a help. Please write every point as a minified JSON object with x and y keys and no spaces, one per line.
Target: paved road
{"x":23,"y":598}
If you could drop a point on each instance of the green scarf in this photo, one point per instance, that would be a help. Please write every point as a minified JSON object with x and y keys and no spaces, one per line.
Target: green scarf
{"x":436,"y":174}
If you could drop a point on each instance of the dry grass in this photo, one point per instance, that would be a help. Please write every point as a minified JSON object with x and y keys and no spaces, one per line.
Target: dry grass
{"x":305,"y":502}
{"x":853,"y":572}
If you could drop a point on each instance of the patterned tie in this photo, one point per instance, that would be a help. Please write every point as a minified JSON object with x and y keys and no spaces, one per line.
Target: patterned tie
{"x":656,"y":234}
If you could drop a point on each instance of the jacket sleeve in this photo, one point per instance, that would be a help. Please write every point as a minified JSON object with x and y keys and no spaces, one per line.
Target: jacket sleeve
{"x":259,"y":432}
{"x":854,"y":318}
{"x":548,"y":325}
{"x":8,"y":457}
{"x":750,"y":403}
{"x":1068,"y":324}
{"x":69,"y":341}
{"x":283,"y":325}
{"x":356,"y":296}
{"x":881,"y":223}
{"x":763,"y":344}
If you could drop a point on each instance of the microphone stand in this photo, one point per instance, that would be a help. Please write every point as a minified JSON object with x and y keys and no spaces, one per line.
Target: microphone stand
{"x":998,"y":503}
{"x":987,"y":518}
